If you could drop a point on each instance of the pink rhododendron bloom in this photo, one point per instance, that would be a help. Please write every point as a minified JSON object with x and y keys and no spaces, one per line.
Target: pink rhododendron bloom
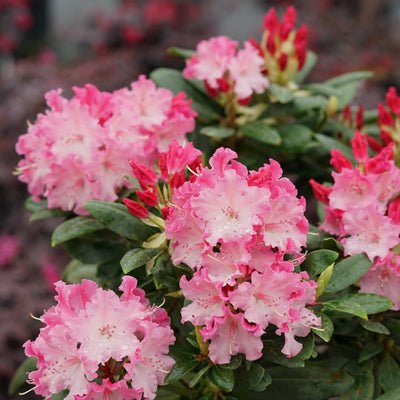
{"x":234,"y":227}
{"x":79,"y":150}
{"x":245,"y":70}
{"x":92,"y":334}
{"x":384,"y":279}
{"x":211,"y":60}
{"x":9,"y":247}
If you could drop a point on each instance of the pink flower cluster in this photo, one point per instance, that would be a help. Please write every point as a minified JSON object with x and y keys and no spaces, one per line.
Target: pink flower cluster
{"x":100,"y":346}
{"x":233,"y":228}
{"x":224,"y":68}
{"x":80,"y":148}
{"x":363,"y":211}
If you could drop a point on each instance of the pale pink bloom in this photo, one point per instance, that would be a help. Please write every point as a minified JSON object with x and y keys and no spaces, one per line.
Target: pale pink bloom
{"x":333,"y":221}
{"x":211,"y":60}
{"x":352,"y":189}
{"x":206,"y":296}
{"x":245,"y":70}
{"x":231,"y":335}
{"x":370,"y":232}
{"x":383,"y":279}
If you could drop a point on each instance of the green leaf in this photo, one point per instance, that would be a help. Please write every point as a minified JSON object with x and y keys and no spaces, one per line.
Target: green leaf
{"x":393,"y":394}
{"x":48,"y":213}
{"x":347,"y":271}
{"x":370,"y":350}
{"x":171,"y":79}
{"x":61,"y":395}
{"x":223,"y":377}
{"x":306,"y":103}
{"x":196,"y":379}
{"x":372,"y":303}
{"x":273,"y":353}
{"x":318,"y":260}
{"x":92,"y":252}
{"x":75,"y":227}
{"x":389,"y":373}
{"x":75,"y":271}
{"x":281,"y":93}
{"x":135,"y":258}
{"x":185,"y":362}
{"x":325,"y":331}
{"x":321,"y":88}
{"x":363,"y":388}
{"x":315,"y":238}
{"x":295,"y":137}
{"x":349,"y":77}
{"x":262,"y":132}
{"x":177,"y":51}
{"x":323,"y":280}
{"x":116,"y":218}
{"x":316,"y":381}
{"x":311,"y":60}
{"x":166,"y":275}
{"x":20,"y":376}
{"x":33,"y":206}
{"x":346,"y":306}
{"x":376,"y":327}
{"x":254,"y":377}
{"x":330,"y":143}
{"x":217,"y":132}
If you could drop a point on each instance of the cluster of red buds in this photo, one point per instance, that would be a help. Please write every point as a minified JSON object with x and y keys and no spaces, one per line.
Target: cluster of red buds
{"x":282,"y":46}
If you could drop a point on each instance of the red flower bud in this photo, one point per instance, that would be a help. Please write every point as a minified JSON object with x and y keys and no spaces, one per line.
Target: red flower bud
{"x":360,"y":147}
{"x":148,"y":196}
{"x":283,"y":60}
{"x":393,"y":100}
{"x":145,"y":175}
{"x":271,"y":21}
{"x":320,"y":191}
{"x":136,"y":209}
{"x":339,"y":161}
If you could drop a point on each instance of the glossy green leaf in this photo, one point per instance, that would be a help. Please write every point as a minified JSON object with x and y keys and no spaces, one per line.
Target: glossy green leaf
{"x":295,"y":137}
{"x":135,"y":258}
{"x":48,"y":213}
{"x":389,"y":373}
{"x":223,"y":377}
{"x":185,"y":362}
{"x":281,"y":93}
{"x":33,"y":206}
{"x":116,"y":218}
{"x":372,"y":303}
{"x":75,"y":271}
{"x":325,"y":331}
{"x":305,"y":103}
{"x":349,"y":77}
{"x":347,"y":271}
{"x":60,"y":396}
{"x":20,"y":375}
{"x":75,"y":227}
{"x":316,"y":381}
{"x":323,"y":280}
{"x":363,"y":388}
{"x":321,"y":88}
{"x":370,"y":350}
{"x":262,"y":132}
{"x":376,"y":327}
{"x":196,"y":379}
{"x":217,"y":132}
{"x":177,"y":51}
{"x":393,"y":394}
{"x":318,"y":260}
{"x":346,"y":306}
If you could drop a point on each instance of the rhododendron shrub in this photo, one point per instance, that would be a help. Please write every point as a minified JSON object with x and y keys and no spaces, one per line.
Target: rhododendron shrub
{"x":193,"y":188}
{"x":95,"y":342}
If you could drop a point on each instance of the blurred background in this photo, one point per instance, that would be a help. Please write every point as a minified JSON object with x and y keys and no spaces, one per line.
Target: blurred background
{"x":49,"y":44}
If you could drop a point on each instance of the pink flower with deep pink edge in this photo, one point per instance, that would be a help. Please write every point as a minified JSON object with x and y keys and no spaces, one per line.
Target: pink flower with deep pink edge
{"x":211,"y":60}
{"x":92,"y":334}
{"x":383,"y":279}
{"x":245,"y":70}
{"x":370,"y":232}
{"x":233,"y":228}
{"x":80,"y":148}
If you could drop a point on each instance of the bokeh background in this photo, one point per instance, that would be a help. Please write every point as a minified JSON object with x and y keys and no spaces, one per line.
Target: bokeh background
{"x":49,"y":44}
